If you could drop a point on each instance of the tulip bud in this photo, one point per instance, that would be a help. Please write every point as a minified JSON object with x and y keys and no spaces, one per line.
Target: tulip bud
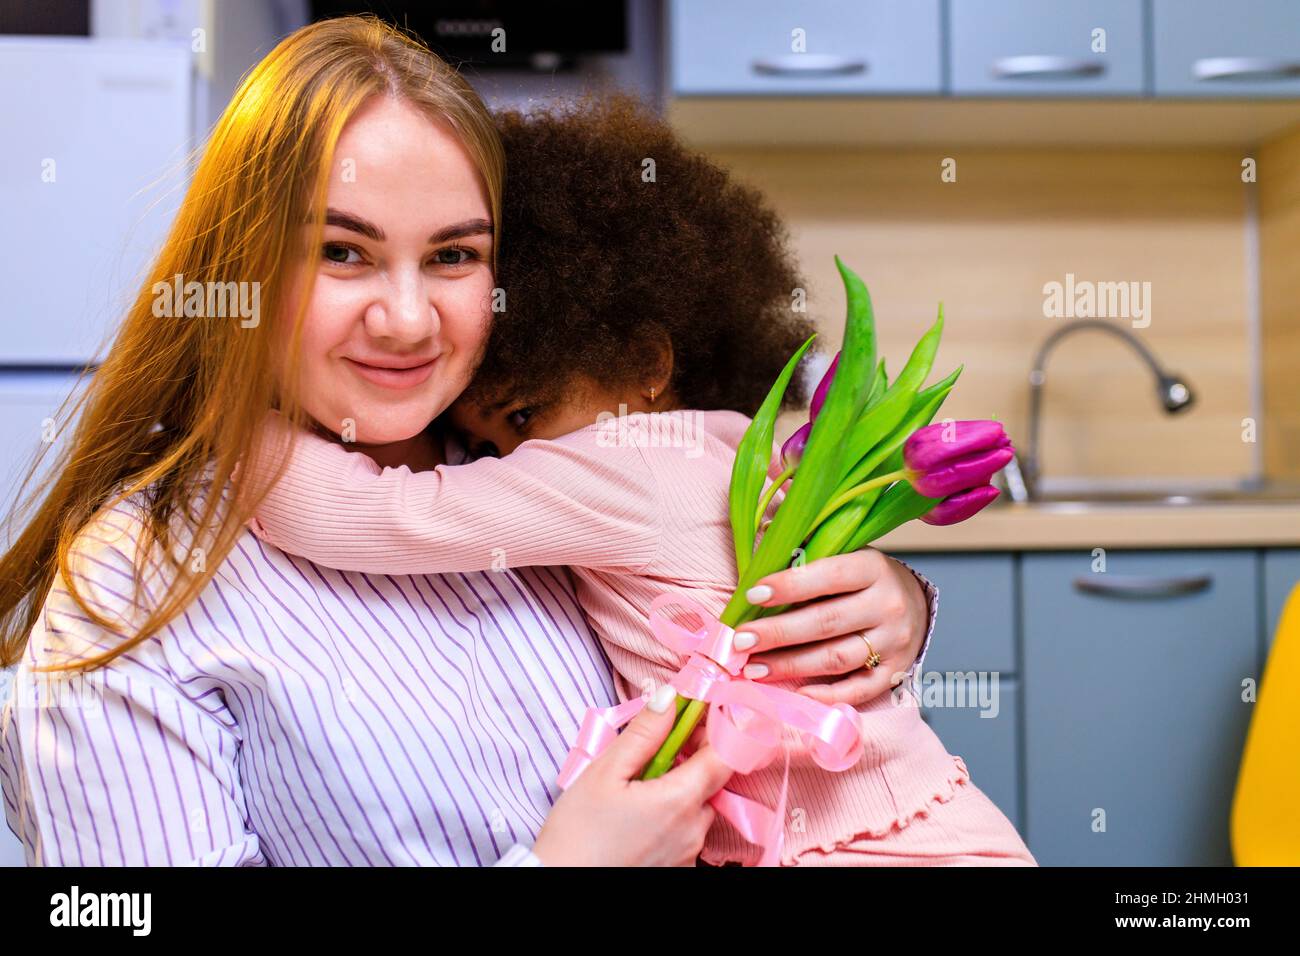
{"x":960,"y":506}
{"x":792,"y":450}
{"x":946,"y":458}
{"x":823,"y":388}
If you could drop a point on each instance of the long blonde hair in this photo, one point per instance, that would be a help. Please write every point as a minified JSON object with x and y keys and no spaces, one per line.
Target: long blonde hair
{"x":178,"y":401}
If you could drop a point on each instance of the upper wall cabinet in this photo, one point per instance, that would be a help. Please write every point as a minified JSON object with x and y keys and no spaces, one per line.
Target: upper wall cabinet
{"x":996,"y":49}
{"x":1221,"y":49}
{"x":774,"y":47}
{"x":1017,"y":47}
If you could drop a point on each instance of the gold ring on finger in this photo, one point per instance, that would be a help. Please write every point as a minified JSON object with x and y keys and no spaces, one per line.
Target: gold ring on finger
{"x":873,"y":659}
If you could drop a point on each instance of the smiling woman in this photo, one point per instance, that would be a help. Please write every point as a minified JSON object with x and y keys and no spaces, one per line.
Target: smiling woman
{"x":252,"y":707}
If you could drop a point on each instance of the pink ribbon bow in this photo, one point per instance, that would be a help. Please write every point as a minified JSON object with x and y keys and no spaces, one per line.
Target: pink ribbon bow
{"x":745,"y":725}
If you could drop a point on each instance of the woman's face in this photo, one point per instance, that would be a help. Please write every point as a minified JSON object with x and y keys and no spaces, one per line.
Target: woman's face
{"x":399,"y":310}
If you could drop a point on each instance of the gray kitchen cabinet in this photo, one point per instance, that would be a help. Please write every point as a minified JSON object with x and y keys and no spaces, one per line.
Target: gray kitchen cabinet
{"x":969,"y":691}
{"x":1281,"y":574}
{"x":1010,"y":48}
{"x":975,"y":629}
{"x":1133,"y":713}
{"x":985,"y":737}
{"x":1221,"y":48}
{"x":752,"y":47}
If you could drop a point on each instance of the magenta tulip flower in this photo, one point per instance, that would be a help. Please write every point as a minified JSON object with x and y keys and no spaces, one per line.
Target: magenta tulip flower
{"x":950,"y":457}
{"x":792,"y":450}
{"x":960,"y":506}
{"x":823,"y":387}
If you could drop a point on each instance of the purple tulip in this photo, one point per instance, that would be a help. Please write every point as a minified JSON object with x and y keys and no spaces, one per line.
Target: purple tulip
{"x":949,"y":457}
{"x":823,"y":387}
{"x":792,"y":450}
{"x":960,"y":506}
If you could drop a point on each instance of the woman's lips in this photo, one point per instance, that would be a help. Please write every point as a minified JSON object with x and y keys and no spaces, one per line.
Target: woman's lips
{"x":396,"y":378}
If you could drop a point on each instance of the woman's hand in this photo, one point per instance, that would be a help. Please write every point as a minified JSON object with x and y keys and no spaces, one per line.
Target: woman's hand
{"x":863,"y":592}
{"x":608,"y":817}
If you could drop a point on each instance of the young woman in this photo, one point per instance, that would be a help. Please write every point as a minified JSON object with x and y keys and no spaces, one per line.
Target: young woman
{"x":187,"y":694}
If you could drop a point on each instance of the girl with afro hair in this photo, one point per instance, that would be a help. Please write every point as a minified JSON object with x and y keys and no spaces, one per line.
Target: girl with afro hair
{"x":647,"y":309}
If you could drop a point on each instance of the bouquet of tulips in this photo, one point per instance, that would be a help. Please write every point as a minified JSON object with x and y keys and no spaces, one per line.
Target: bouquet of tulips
{"x":867,"y":461}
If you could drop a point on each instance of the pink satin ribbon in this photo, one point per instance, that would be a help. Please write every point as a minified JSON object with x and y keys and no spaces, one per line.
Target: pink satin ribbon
{"x":745,"y":723}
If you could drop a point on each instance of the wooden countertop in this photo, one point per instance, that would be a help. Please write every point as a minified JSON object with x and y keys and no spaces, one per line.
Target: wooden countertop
{"x":1040,"y":527}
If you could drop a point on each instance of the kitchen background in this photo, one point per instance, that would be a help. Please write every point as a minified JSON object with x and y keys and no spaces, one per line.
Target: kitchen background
{"x":1122,"y":606}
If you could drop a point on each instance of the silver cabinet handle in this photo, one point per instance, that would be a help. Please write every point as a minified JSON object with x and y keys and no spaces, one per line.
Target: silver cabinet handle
{"x":809,"y":64}
{"x":1045,"y":67}
{"x":1245,"y":68}
{"x":1136,"y":586}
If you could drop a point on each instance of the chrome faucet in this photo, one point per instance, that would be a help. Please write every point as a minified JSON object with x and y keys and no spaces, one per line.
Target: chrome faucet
{"x":1174,"y":395}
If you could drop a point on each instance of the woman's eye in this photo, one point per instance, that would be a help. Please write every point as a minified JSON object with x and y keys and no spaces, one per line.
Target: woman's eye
{"x":519,"y":418}
{"x":338,"y":253}
{"x":453,"y":256}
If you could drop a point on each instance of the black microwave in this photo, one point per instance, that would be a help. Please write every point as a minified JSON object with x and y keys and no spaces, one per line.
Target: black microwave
{"x":499,"y":33}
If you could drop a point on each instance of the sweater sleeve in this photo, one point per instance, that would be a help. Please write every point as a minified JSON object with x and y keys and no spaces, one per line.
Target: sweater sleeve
{"x":562,"y":502}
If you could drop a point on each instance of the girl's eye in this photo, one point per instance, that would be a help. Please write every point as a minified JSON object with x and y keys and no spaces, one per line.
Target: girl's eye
{"x":519,"y":418}
{"x":338,"y":253}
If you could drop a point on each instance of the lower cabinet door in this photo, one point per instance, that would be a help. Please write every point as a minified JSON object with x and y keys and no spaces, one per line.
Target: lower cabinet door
{"x":1134,"y":718}
{"x":975,"y":715}
{"x":1281,"y":575}
{"x":975,"y":627}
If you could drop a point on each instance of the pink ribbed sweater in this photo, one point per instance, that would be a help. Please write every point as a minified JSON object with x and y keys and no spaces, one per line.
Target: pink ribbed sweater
{"x":636,"y":506}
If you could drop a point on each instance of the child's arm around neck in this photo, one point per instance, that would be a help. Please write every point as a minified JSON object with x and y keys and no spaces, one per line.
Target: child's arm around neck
{"x":564,"y":502}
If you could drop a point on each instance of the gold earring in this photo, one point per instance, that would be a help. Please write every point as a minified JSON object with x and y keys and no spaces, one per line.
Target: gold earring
{"x":652,"y":394}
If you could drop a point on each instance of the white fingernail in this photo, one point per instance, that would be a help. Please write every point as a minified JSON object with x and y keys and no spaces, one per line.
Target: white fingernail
{"x":758,"y":594}
{"x":755,"y":671}
{"x":744,"y":640}
{"x":662,"y":698}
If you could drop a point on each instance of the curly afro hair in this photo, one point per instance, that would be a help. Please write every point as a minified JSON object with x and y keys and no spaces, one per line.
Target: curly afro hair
{"x":599,"y":261}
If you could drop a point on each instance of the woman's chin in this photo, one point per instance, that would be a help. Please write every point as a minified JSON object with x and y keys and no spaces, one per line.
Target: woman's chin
{"x":378,"y":426}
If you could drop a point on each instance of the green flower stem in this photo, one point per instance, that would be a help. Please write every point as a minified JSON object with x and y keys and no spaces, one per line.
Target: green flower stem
{"x":769,"y":494}
{"x":689,"y":717}
{"x":690,"y":711}
{"x":901,"y":475}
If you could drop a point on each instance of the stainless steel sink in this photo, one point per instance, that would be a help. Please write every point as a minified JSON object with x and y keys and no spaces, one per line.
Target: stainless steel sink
{"x":1245,"y":493}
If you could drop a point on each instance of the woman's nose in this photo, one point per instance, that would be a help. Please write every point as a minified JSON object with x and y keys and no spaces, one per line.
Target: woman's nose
{"x":403,"y":310}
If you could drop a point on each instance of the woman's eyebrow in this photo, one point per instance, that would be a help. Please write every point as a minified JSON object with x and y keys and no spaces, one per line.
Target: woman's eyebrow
{"x":460,"y":230}
{"x":345,"y":220}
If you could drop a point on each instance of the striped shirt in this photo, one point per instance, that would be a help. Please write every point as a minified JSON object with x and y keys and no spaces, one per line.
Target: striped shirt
{"x":296,"y":715}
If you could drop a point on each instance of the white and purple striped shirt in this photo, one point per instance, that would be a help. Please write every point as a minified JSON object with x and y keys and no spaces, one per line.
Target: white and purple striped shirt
{"x":296,"y":715}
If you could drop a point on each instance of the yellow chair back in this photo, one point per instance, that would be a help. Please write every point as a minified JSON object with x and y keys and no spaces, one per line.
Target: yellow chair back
{"x":1266,"y":806}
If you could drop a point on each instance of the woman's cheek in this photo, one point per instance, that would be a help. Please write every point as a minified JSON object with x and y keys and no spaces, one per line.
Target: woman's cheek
{"x":467,"y":321}
{"x":325,"y":379}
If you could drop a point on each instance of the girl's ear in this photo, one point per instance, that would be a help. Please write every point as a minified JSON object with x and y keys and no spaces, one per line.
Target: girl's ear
{"x":657,"y":373}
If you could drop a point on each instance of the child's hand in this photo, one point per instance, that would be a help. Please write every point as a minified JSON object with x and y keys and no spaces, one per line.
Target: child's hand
{"x":853,"y":599}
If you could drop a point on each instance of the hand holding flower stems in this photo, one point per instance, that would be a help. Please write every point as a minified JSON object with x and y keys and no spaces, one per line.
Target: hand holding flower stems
{"x":867,"y":461}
